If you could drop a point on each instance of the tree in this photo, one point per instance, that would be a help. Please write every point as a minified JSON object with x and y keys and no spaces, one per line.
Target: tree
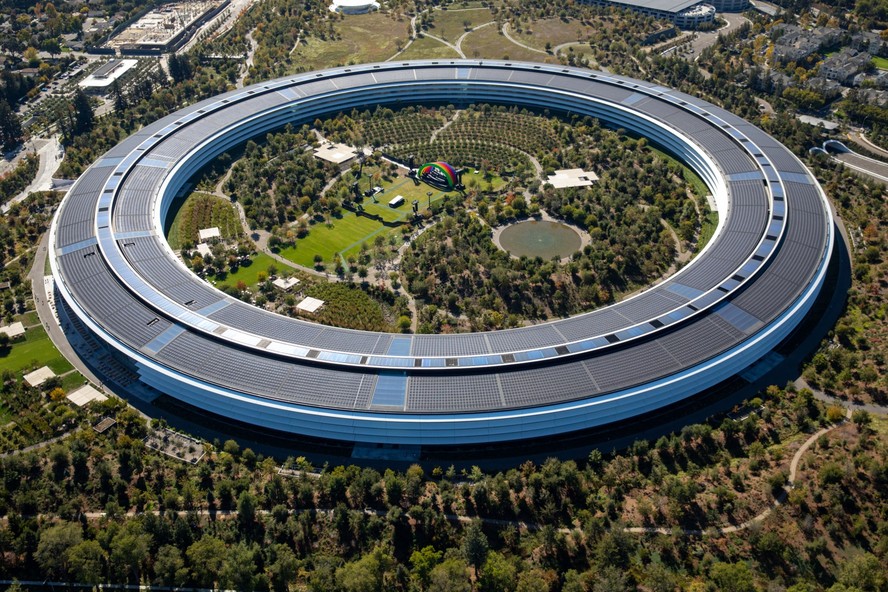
{"x":83,"y":113}
{"x":533,"y":580}
{"x":475,"y":545}
{"x":10,"y":128}
{"x":864,"y":572}
{"x":283,"y":568}
{"x":169,"y":567}
{"x":611,"y":579}
{"x":732,"y":577}
{"x":499,"y":574}
{"x":206,"y":557}
{"x":367,"y":574}
{"x":451,"y":575}
{"x":52,"y":550}
{"x":423,"y":562}
{"x":86,"y":560}
{"x":129,"y":552}
{"x":239,"y":569}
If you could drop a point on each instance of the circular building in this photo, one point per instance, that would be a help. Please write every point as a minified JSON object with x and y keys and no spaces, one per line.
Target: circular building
{"x":354,"y":6}
{"x":737,"y":300}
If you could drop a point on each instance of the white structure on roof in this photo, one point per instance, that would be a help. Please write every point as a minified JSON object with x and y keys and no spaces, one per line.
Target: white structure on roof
{"x":285,"y":283}
{"x":86,"y":394}
{"x":206,"y":234}
{"x":335,"y":153}
{"x":354,"y":6}
{"x":572,"y":178}
{"x":39,"y":376}
{"x":203,"y":249}
{"x":14,"y":330}
{"x":310,"y":304}
{"x":101,"y":79}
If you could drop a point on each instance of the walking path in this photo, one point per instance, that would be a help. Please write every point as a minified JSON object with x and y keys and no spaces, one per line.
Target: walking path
{"x":447,"y":43}
{"x":409,"y":41}
{"x":462,"y":37}
{"x":507,"y":33}
{"x":254,"y":45}
{"x":50,"y":154}
{"x":793,"y":471}
{"x":459,"y":518}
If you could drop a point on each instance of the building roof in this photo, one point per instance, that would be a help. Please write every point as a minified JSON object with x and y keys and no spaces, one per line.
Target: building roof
{"x":13,"y":330}
{"x":86,"y":394}
{"x":310,"y":304}
{"x":335,"y":153}
{"x":720,"y":313}
{"x":107,"y":74}
{"x":571,"y":178}
{"x":285,"y":283}
{"x":39,"y":376}
{"x":673,"y":6}
{"x":208,"y":233}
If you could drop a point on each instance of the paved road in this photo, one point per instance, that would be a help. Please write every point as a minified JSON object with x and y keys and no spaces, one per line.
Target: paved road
{"x":860,"y":138}
{"x":704,"y":40}
{"x":875,"y":169}
{"x":51,"y":154}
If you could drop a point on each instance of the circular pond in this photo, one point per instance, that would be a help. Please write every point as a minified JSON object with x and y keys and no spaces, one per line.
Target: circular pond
{"x":540,"y":238}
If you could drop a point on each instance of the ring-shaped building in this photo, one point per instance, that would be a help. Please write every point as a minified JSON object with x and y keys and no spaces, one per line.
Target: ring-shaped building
{"x":737,"y":300}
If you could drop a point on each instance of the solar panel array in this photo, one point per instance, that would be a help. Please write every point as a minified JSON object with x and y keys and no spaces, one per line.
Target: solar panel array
{"x":112,"y":260}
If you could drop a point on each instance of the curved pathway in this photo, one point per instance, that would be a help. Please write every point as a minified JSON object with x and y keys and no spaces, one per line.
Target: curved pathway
{"x":507,"y":34}
{"x":462,"y":37}
{"x":861,"y":139}
{"x":447,"y":43}
{"x":562,"y":46}
{"x":793,"y":470}
{"x":409,"y":41}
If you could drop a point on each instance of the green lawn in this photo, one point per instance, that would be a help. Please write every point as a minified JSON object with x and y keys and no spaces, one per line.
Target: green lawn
{"x":203,"y":210}
{"x":346,"y":234}
{"x":29,"y":318}
{"x":72,"y":381}
{"x":451,"y":24}
{"x":359,"y":39}
{"x":249,"y":274}
{"x":488,"y":43}
{"x":34,"y":351}
{"x":427,"y":48}
{"x":880,"y":63}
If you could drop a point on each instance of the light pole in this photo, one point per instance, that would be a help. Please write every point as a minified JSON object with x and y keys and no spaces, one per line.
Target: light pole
{"x":429,"y":193}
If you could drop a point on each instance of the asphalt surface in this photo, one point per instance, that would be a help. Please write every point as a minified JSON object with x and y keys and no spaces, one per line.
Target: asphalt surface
{"x":874,"y":169}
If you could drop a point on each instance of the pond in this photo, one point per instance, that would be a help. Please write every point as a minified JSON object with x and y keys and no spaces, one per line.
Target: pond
{"x":541,"y":238}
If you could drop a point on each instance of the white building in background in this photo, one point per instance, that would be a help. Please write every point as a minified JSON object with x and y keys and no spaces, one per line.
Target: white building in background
{"x":687,"y":14}
{"x":354,"y":6}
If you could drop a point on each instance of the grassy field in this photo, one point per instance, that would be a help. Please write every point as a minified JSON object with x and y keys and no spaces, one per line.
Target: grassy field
{"x":489,"y":43}
{"x":553,"y":31}
{"x":427,"y":49}
{"x":880,"y":63}
{"x":35,"y":351}
{"x":203,"y":210}
{"x":346,"y":233}
{"x":451,"y":24}
{"x":249,"y":274}
{"x":361,"y":38}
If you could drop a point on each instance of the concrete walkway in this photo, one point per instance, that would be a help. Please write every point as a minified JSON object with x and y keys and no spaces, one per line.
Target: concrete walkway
{"x":51,"y":155}
{"x":507,"y":33}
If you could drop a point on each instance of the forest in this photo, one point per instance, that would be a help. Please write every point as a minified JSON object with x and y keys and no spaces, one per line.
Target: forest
{"x":104,"y":508}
